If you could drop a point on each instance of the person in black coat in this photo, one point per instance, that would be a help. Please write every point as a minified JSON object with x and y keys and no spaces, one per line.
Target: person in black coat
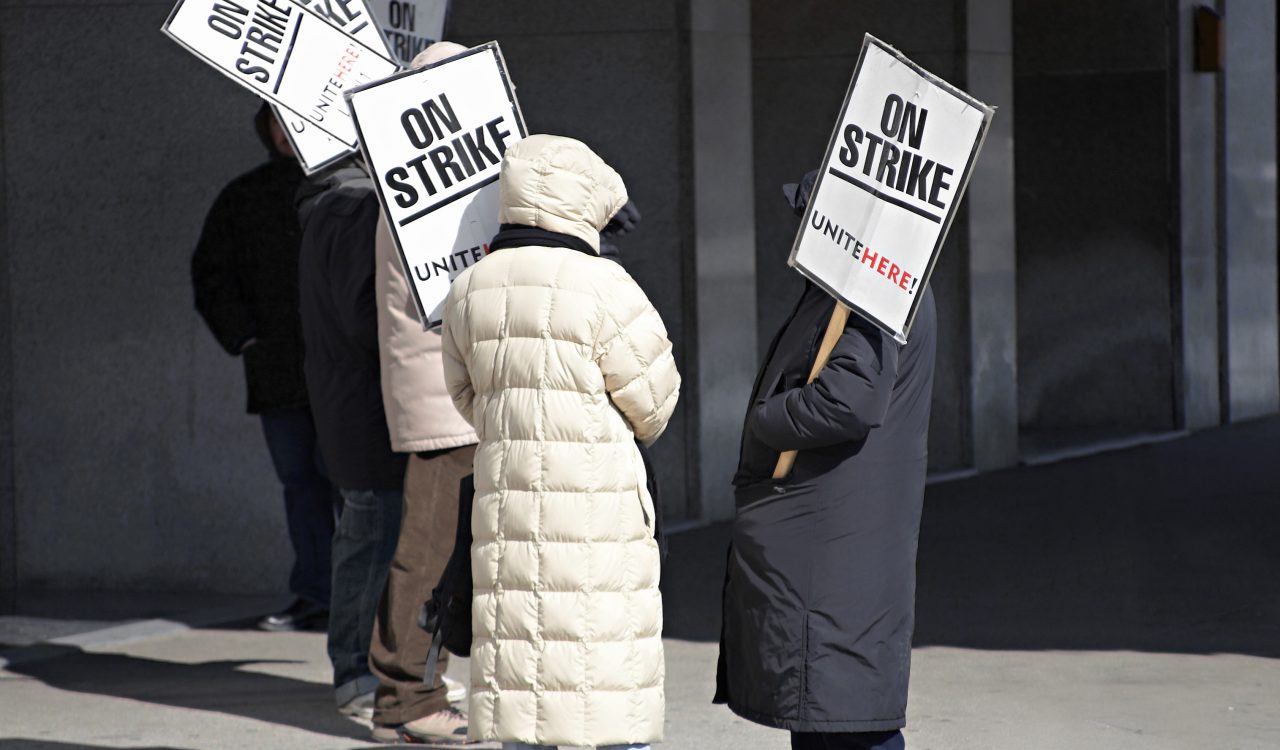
{"x":245,"y":273}
{"x":819,"y":595}
{"x":339,"y":216}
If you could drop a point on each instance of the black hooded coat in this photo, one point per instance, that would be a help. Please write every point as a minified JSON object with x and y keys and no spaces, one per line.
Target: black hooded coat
{"x":244,"y":272}
{"x":819,"y":595}
{"x":339,"y":215}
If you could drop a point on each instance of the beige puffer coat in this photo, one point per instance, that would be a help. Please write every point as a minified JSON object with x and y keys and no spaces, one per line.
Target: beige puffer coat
{"x":420,"y":414}
{"x":560,"y":362}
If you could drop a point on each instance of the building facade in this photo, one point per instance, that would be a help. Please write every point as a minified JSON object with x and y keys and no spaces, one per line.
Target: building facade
{"x":1112,"y":274}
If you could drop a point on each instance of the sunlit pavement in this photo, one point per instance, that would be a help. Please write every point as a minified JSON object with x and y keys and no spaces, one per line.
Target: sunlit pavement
{"x":1124,"y":601}
{"x":242,"y":689}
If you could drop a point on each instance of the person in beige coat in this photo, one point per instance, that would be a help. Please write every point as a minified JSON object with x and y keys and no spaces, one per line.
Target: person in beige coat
{"x":561,"y":363}
{"x":423,"y":422}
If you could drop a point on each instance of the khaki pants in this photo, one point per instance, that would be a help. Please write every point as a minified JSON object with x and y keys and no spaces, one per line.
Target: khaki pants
{"x":398,"y":652}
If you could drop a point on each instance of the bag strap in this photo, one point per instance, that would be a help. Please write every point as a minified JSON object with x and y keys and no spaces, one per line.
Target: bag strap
{"x":433,"y":655}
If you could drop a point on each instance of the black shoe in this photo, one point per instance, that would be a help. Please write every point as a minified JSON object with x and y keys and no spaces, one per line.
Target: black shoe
{"x":301,"y":615}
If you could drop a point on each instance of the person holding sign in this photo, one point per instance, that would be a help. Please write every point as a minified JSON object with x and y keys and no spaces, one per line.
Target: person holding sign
{"x":819,"y":596}
{"x":561,"y":363}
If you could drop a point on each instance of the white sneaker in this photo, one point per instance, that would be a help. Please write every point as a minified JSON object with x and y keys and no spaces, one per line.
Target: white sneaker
{"x":359,"y":707}
{"x":447,"y":727}
{"x":457,"y":691}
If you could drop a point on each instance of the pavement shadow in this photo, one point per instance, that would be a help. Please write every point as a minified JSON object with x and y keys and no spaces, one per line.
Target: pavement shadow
{"x":24,"y":744}
{"x":207,"y":686}
{"x":34,"y":617}
{"x":1166,"y":548}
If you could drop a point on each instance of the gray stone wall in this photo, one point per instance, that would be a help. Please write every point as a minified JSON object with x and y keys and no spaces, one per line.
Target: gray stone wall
{"x":1249,"y":337}
{"x":725,"y":242}
{"x":8,"y":535}
{"x":1197,"y":267}
{"x":126,"y":460}
{"x":133,"y":463}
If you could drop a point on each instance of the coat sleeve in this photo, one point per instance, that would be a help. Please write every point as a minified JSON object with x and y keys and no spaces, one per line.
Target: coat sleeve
{"x":635,"y":356}
{"x":847,"y":400}
{"x":216,"y":279}
{"x":456,"y":377}
{"x":351,"y":270}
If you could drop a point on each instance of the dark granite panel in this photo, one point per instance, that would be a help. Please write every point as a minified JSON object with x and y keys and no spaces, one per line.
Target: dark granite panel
{"x":8,"y":535}
{"x":806,"y":28}
{"x":551,"y":19}
{"x":1094,"y":253}
{"x":1090,"y":35}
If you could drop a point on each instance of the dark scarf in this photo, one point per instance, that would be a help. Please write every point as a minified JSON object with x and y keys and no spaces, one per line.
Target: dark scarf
{"x":523,"y":235}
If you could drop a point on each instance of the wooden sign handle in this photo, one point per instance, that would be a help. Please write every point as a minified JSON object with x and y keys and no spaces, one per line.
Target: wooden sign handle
{"x":835,"y":327}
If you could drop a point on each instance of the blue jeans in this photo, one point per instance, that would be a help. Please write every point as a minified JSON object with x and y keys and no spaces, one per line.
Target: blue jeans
{"x":523,"y":746}
{"x":310,"y":501}
{"x":362,"y":552}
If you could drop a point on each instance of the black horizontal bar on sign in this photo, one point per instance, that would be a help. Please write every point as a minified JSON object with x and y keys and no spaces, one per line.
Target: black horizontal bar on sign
{"x":884,"y":196}
{"x":275,"y":91}
{"x":440,"y":204}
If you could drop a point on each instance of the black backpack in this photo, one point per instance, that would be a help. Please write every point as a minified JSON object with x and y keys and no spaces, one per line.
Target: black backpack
{"x":447,"y":614}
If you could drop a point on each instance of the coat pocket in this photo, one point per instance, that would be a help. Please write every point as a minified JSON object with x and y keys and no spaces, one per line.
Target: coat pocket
{"x":642,"y":492}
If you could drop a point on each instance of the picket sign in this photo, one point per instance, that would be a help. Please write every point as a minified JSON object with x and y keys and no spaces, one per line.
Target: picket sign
{"x":315,"y":149}
{"x":284,"y":53}
{"x":896,"y":167}
{"x":355,"y":18}
{"x":894,"y":172}
{"x":410,"y":26}
{"x":434,"y":140}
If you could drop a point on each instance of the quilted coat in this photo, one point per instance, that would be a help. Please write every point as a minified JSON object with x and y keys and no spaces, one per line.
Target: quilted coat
{"x":561,"y":363}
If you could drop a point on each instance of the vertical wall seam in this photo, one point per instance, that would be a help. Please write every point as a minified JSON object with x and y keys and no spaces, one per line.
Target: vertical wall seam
{"x":1177,"y":239}
{"x":8,"y":481}
{"x":687,"y":229}
{"x":964,"y":241}
{"x":1220,"y":222}
{"x":989,"y":268}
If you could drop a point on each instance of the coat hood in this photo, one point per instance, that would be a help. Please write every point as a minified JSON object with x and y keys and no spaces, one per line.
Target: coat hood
{"x":561,"y":185}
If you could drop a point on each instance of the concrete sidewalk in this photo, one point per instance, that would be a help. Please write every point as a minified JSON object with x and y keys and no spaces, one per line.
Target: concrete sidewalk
{"x":1119,"y":602}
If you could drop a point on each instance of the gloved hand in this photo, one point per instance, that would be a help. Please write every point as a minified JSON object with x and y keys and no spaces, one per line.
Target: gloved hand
{"x":609,"y":250}
{"x":626,"y":220}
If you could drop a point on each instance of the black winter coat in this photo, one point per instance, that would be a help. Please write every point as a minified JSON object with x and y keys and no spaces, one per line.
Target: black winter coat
{"x":339,"y":216}
{"x":819,"y":595}
{"x":245,"y":275}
